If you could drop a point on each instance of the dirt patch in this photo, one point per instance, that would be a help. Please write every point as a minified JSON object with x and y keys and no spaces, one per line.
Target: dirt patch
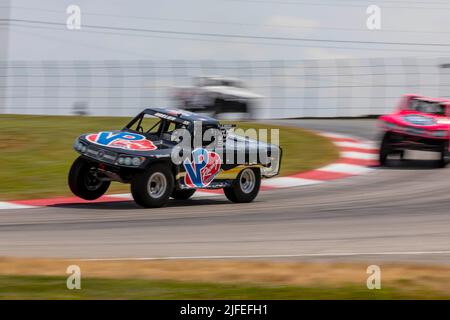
{"x":415,"y":277}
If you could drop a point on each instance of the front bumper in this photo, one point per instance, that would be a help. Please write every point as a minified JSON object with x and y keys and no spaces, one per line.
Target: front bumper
{"x":401,"y":141}
{"x":108,"y":157}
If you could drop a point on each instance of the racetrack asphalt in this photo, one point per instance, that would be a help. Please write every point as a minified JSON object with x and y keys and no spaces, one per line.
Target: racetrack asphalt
{"x":394,"y":214}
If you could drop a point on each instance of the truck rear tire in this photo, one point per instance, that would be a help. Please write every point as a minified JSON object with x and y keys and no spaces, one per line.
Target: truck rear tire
{"x":385,"y":149}
{"x":84,"y":183}
{"x":445,"y":156}
{"x":152,"y":188}
{"x":182,"y":194}
{"x":246,"y":187}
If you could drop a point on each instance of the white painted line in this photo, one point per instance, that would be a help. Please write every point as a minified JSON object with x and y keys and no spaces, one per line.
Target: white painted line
{"x":284,"y":182}
{"x":336,"y":135}
{"x":121,"y":195}
{"x":358,"y":140}
{"x":8,"y":205}
{"x":295,"y":255}
{"x":346,"y":168}
{"x":358,"y":155}
{"x":347,"y":144}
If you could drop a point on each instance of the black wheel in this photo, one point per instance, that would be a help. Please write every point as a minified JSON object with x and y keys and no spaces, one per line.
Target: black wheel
{"x":182,"y":194}
{"x":445,"y":156}
{"x":246,"y":186}
{"x":218,"y":106}
{"x":152,"y":188}
{"x":83,"y":180}
{"x":384,"y":150}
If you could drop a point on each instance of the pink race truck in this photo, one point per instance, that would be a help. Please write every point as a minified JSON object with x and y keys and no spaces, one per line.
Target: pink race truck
{"x":418,"y":123}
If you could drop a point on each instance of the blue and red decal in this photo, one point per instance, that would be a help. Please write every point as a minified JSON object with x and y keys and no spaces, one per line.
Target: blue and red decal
{"x":122,"y":140}
{"x":203,"y":168}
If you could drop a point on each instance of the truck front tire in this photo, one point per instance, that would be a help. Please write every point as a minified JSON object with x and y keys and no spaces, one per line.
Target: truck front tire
{"x":83,"y":181}
{"x":152,"y":188}
{"x":444,"y":156}
{"x":246,"y":187}
{"x":385,"y":149}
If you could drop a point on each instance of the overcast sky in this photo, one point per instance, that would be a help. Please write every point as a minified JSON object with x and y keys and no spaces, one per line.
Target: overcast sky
{"x":415,"y":21}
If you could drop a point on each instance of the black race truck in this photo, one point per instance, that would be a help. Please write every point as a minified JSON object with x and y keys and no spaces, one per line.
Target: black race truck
{"x":167,"y":153}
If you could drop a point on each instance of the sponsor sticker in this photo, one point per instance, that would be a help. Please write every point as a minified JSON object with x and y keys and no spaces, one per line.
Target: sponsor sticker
{"x":203,"y":168}
{"x":419,"y":120}
{"x":122,"y":140}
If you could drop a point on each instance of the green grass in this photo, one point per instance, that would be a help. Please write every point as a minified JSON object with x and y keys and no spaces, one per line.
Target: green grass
{"x":45,"y":287}
{"x":36,"y":152}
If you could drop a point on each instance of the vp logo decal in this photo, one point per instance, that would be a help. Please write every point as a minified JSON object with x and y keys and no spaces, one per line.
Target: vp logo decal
{"x":419,"y":120}
{"x":202,"y":170}
{"x":122,"y":140}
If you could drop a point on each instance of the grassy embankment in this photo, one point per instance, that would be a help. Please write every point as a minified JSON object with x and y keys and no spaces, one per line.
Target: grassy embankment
{"x":46,"y":279}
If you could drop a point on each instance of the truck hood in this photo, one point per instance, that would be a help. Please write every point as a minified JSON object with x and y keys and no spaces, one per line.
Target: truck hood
{"x":125,"y":142}
{"x":418,"y":119}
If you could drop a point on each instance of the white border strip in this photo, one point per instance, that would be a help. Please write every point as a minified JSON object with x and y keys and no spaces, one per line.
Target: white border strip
{"x":295,"y":255}
{"x":9,"y":205}
{"x":360,"y":145}
{"x":346,"y":168}
{"x":359,"y":155}
{"x":286,"y":182}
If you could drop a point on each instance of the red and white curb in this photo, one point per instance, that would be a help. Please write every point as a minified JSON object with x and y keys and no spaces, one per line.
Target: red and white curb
{"x":357,"y":156}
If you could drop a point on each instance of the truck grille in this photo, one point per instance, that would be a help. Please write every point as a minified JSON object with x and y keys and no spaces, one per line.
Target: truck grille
{"x":412,"y":130}
{"x":101,"y":154}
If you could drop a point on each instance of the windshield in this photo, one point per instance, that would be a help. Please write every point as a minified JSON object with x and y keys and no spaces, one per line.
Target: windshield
{"x":427,"y":107}
{"x":153,"y":126}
